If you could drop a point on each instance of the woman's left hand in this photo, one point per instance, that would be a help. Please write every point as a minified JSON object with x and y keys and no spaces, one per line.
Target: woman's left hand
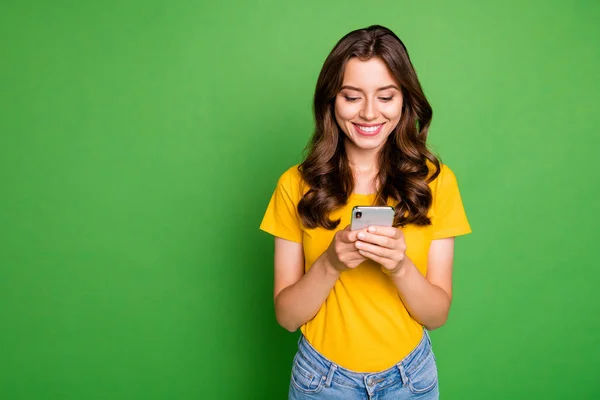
{"x":384,"y":245}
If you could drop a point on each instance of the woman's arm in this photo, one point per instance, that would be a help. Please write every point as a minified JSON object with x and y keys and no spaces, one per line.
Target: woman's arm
{"x":299,"y":296}
{"x":428,"y":298}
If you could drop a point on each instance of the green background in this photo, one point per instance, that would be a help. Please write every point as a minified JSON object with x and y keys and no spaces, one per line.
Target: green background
{"x":140,"y":143}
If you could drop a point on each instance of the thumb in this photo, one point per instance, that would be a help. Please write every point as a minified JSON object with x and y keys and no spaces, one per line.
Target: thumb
{"x":345,"y":234}
{"x":352,"y":236}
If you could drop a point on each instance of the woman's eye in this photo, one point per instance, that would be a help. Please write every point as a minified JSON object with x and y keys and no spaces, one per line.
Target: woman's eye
{"x":351,"y":98}
{"x":386,"y":98}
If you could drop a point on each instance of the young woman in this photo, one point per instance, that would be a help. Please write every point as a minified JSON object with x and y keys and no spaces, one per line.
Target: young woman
{"x":364,"y":300}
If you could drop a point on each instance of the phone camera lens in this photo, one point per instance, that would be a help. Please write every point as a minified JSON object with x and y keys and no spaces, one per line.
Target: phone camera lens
{"x":358,"y":214}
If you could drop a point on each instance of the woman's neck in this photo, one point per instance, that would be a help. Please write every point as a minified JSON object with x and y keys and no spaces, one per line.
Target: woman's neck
{"x":362,"y":160}
{"x":365,"y":168}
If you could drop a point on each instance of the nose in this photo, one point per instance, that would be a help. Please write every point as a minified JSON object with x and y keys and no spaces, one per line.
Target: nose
{"x":368,"y":111}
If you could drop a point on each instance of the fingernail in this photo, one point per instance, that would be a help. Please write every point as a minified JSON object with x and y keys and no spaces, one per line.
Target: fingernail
{"x":361,"y":235}
{"x":372,"y":229}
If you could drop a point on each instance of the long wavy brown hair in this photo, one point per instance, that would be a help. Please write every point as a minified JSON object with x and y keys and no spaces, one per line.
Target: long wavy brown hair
{"x":403,"y":171}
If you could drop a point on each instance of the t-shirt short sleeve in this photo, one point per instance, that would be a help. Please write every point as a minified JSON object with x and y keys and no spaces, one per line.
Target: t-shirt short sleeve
{"x":281,"y":218}
{"x":449,"y":217}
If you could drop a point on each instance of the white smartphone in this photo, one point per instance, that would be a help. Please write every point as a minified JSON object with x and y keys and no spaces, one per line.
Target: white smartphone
{"x":365,"y":216}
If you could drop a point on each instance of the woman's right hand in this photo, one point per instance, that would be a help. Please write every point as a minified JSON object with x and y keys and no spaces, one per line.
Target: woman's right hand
{"x":342,"y":253}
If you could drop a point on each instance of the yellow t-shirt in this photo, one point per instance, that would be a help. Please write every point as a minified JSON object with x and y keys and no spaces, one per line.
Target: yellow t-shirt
{"x":363,"y":325}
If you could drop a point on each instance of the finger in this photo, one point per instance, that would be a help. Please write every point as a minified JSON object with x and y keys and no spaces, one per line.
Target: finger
{"x":357,"y":257}
{"x":374,"y":257}
{"x":379,"y":240}
{"x":388,"y":231}
{"x":374,"y":249}
{"x":352,"y":258}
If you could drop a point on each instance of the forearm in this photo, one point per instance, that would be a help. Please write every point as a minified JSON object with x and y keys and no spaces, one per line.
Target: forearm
{"x":427,"y":303}
{"x":300,"y":302}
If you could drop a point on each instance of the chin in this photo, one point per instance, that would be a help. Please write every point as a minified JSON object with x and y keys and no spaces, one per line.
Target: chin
{"x":371,"y":146}
{"x":367,"y":145}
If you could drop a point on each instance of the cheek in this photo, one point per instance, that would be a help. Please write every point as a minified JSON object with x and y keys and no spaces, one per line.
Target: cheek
{"x":344,"y":111}
{"x":392,"y":111}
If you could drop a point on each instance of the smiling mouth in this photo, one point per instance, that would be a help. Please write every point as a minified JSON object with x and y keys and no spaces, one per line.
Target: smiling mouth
{"x":368,"y":130}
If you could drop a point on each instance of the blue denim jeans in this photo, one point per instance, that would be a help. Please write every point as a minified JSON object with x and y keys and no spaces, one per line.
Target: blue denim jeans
{"x":315,"y":377}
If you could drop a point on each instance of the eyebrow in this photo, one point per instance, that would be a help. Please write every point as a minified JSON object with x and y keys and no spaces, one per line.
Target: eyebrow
{"x":378,"y":90}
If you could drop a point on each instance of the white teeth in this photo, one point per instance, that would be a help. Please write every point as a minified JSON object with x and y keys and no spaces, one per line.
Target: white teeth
{"x":368,"y":129}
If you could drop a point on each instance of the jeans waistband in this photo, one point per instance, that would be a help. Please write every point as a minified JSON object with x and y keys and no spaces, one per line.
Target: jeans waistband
{"x":328,"y":367}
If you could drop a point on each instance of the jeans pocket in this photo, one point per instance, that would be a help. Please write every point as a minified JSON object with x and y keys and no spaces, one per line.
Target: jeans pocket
{"x":305,"y":377}
{"x":424,"y":376}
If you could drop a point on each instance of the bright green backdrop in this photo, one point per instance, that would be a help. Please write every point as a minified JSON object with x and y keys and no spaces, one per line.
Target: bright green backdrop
{"x":140,"y":143}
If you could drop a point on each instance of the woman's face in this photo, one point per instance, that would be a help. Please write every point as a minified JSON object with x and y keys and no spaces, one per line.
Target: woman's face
{"x":369,"y":104}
